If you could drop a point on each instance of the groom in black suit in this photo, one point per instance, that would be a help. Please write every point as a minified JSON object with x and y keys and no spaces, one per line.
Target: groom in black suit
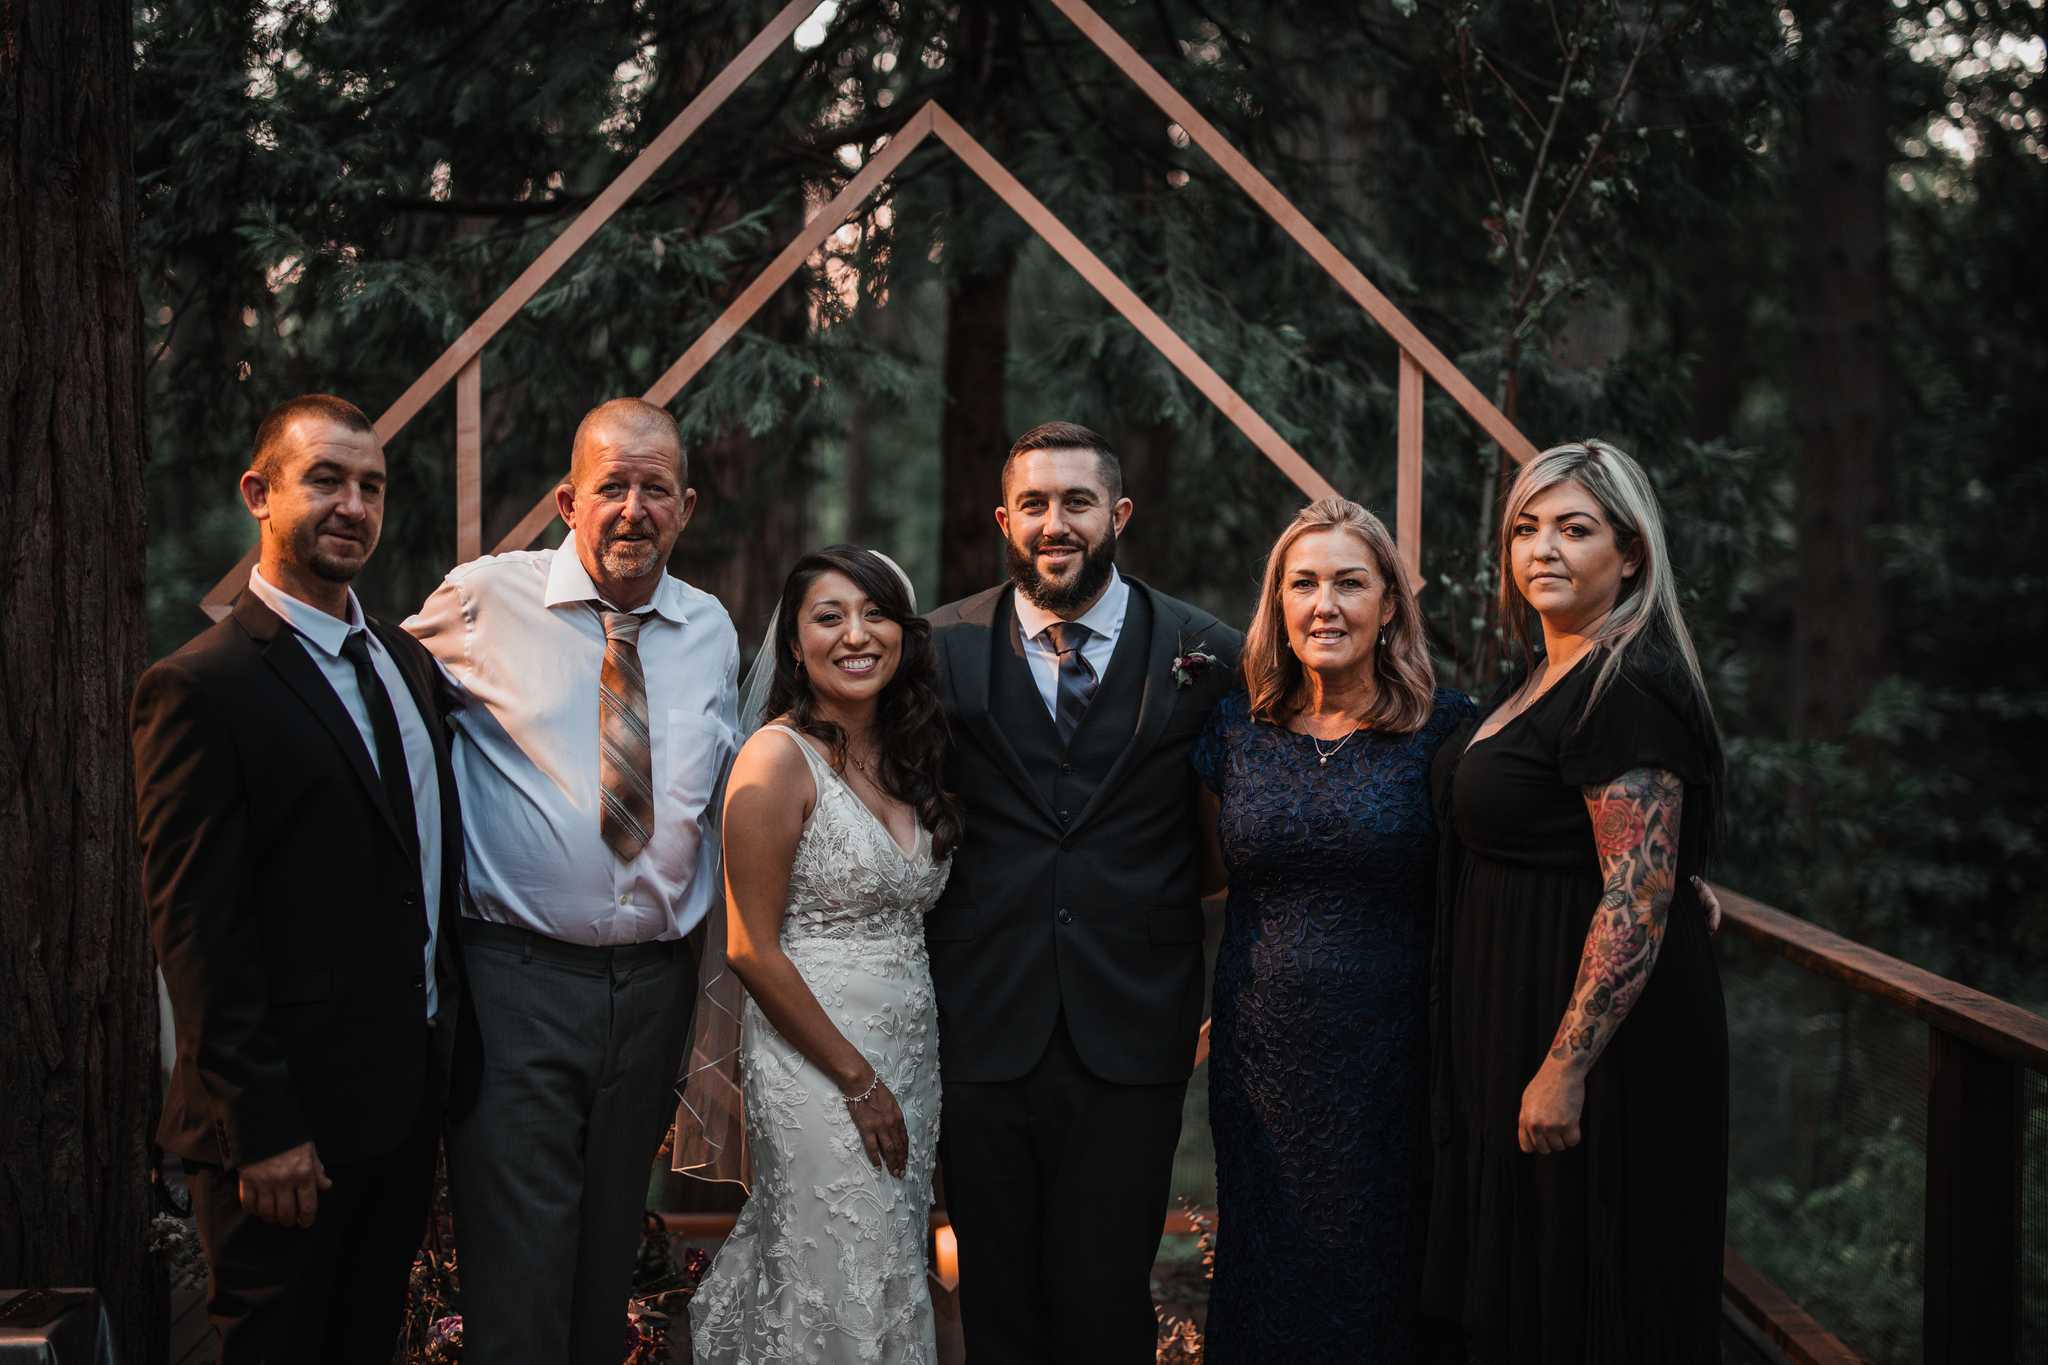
{"x":1067,"y":949}
{"x":300,"y":857}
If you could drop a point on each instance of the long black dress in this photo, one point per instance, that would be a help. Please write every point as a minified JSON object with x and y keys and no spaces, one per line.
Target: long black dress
{"x":1318,"y":1070}
{"x":1611,"y":1251}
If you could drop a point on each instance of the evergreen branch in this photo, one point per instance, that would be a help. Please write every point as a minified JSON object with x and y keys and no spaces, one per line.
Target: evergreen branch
{"x":1493,"y":186}
{"x":491,"y":208}
{"x":1244,"y":58}
{"x":1094,"y":113}
{"x":466,"y":42}
{"x":1586,"y":162}
{"x":1508,"y":86}
{"x":1564,"y":82}
{"x":177,"y":316}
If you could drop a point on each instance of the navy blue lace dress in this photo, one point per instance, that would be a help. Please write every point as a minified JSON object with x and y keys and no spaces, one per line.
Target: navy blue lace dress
{"x":1318,"y":1064}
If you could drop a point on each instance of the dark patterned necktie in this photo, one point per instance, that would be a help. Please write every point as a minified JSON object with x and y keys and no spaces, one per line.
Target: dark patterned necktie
{"x":1077,"y":679}
{"x":391,"y":769}
{"x":625,"y":749}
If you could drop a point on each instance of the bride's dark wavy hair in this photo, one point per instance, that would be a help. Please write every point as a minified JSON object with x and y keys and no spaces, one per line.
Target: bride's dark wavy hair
{"x":910,"y":726}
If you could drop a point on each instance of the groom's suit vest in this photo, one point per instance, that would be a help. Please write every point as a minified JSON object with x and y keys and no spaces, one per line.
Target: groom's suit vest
{"x":1076,"y":889}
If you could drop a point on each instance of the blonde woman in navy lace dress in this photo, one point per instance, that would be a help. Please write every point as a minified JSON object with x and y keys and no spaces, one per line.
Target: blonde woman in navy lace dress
{"x":1319,"y":817}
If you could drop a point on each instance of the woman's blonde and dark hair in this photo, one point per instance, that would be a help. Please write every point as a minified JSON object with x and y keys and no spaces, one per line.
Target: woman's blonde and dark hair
{"x":1646,"y":614}
{"x":1401,"y":667}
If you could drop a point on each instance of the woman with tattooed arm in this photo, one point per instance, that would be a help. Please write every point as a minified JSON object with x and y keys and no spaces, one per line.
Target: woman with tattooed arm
{"x":1580,"y":1088}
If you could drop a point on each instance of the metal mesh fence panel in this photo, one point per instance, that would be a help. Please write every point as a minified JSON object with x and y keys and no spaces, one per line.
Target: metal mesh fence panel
{"x":2033,"y":1326}
{"x":1828,"y":1149}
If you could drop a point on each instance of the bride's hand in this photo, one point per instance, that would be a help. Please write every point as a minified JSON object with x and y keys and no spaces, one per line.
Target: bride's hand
{"x":879,"y":1121}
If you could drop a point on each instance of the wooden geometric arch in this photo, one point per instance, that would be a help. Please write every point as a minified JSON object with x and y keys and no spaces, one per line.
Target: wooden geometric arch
{"x":462,"y":361}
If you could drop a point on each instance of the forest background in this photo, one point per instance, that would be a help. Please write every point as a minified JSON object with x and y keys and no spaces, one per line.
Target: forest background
{"x":1786,"y":254}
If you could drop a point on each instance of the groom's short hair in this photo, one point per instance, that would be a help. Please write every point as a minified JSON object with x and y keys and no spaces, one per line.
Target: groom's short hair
{"x":1069,"y":436}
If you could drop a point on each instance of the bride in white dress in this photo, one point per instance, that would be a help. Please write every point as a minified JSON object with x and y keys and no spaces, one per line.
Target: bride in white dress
{"x":838,"y":839}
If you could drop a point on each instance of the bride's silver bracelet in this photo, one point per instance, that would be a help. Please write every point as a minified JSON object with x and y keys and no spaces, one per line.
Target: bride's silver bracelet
{"x":864,"y":1096}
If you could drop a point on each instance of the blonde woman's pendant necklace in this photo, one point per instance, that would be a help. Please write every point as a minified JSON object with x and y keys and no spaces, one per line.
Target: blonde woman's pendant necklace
{"x":1323,"y":756}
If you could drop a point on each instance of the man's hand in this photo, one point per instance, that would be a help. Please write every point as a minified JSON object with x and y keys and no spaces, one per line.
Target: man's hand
{"x":285,"y":1188}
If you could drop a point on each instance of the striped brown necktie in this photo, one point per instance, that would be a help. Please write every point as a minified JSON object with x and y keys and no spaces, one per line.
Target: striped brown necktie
{"x":625,"y":760}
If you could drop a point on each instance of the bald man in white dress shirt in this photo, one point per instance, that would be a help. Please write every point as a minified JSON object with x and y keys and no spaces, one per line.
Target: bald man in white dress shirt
{"x":598,"y":720}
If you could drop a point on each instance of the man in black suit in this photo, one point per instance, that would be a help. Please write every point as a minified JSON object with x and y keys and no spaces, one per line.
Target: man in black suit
{"x":1067,"y":949}
{"x":300,"y":853}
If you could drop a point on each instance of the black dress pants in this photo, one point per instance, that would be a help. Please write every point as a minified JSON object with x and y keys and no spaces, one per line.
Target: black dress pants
{"x":334,"y":1292}
{"x":1057,"y":1185}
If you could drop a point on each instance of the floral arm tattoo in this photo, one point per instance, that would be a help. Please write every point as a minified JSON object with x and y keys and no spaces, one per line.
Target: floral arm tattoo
{"x":1635,"y":832}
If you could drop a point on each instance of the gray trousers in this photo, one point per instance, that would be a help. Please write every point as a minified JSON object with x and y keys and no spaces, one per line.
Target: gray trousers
{"x":581,"y":1051}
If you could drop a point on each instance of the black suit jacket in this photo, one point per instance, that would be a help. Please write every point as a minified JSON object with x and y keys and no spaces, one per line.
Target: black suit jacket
{"x":284,"y":903}
{"x":1097,"y":914}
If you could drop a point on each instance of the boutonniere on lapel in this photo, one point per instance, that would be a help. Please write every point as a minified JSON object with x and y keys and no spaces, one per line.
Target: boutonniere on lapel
{"x":1190,"y":663}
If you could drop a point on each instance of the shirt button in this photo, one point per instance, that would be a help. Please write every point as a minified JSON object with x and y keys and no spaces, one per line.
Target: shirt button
{"x":1066,"y":916}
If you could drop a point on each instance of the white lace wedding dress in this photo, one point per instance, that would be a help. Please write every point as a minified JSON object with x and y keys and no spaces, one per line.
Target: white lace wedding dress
{"x":827,"y":1261}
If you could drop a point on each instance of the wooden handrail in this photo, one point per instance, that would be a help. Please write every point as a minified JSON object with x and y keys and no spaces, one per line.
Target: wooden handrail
{"x":1778,"y":1318}
{"x":2000,"y":1028}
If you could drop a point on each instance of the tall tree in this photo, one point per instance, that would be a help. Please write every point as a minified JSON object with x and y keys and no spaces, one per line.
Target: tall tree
{"x":974,"y":430}
{"x":1843,"y":362}
{"x":77,"y":1000}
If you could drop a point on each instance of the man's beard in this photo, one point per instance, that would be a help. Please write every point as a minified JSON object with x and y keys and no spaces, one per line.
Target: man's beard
{"x":1051,"y":595}
{"x":629,"y":558}
{"x":325,"y":566}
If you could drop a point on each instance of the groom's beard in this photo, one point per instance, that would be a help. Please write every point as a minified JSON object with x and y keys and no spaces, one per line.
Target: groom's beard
{"x":1051,"y":594}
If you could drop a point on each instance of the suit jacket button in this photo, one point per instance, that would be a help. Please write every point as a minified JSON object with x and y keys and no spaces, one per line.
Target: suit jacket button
{"x":1066,"y":916}
{"x":412,"y":898}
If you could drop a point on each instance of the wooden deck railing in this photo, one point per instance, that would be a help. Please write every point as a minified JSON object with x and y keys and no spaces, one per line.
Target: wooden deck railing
{"x":1978,"y":1049}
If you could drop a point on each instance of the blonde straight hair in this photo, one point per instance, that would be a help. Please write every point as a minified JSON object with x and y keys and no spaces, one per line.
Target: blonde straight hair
{"x":1406,"y":691}
{"x":1647,"y":610}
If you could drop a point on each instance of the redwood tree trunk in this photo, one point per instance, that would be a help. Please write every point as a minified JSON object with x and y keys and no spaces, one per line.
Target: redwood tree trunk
{"x":1844,"y":374}
{"x":974,"y":433}
{"x":981,"y":247}
{"x":77,"y":997}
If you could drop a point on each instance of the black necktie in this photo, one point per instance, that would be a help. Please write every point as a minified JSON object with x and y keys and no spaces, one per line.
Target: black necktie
{"x":391,"y":769}
{"x":1077,"y":679}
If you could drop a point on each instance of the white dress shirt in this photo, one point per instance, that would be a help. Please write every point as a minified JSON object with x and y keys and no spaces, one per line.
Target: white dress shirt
{"x":520,"y":636}
{"x":1105,"y":621}
{"x":324,"y":636}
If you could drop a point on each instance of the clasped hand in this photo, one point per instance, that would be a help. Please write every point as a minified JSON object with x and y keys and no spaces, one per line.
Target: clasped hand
{"x":285,"y":1188}
{"x":879,"y":1121}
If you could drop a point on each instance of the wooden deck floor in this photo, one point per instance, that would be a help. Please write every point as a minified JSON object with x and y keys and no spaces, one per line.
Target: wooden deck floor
{"x":191,"y":1335}
{"x":1743,"y":1341}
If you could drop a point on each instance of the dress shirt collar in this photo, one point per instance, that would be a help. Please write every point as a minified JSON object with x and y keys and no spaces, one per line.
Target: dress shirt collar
{"x":327,"y":633}
{"x":1105,"y":619}
{"x":569,"y":585}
